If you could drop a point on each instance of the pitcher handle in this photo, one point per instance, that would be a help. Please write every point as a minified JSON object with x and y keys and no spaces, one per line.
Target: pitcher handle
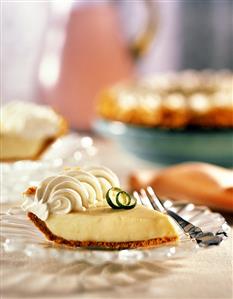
{"x":140,"y":45}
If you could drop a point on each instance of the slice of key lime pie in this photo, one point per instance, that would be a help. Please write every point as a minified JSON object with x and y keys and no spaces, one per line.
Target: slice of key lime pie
{"x":86,"y":208}
{"x":27,"y":130}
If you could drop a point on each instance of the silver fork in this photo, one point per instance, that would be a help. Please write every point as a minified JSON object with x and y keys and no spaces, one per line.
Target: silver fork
{"x":150,"y":199}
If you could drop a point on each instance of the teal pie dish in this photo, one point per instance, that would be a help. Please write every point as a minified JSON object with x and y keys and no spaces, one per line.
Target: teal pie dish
{"x":168,"y":146}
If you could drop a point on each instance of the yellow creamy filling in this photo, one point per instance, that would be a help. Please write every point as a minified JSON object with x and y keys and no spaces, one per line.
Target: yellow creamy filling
{"x":107,"y":225}
{"x":13,"y":146}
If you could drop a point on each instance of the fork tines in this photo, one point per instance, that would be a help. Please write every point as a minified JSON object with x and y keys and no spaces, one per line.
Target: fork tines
{"x":148,"y":198}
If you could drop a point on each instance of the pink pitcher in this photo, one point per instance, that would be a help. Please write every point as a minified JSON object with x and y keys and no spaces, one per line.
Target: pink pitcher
{"x":84,"y":50}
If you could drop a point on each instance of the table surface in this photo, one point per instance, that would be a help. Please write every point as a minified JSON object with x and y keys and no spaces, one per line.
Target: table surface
{"x":206,"y":274}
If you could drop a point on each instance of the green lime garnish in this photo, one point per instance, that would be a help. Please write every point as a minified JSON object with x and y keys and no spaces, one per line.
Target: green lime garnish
{"x":111,"y":197}
{"x":118,"y":199}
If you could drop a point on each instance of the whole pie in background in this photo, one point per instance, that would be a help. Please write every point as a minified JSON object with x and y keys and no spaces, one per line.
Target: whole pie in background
{"x":176,"y":100}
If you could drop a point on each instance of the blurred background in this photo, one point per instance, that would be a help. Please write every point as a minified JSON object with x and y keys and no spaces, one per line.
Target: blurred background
{"x":64,"y":53}
{"x":38,"y":39}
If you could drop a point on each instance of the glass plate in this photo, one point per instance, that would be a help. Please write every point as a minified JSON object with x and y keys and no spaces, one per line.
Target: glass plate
{"x":20,"y":235}
{"x":71,"y":149}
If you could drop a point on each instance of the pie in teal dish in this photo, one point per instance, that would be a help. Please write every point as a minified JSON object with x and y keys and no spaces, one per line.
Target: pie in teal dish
{"x":170,"y":146}
{"x":172,"y":117}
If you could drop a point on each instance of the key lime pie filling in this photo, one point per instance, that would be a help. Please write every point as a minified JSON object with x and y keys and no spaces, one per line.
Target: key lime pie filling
{"x":72,"y":208}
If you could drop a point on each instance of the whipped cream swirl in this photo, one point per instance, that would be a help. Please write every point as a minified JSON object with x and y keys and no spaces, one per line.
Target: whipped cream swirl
{"x":73,"y":190}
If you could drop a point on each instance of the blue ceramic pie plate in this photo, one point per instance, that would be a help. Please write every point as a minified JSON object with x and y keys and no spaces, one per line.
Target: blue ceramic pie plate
{"x":168,"y":146}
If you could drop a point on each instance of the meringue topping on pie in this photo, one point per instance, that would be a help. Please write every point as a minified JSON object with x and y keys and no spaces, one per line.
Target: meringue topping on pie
{"x":185,"y":99}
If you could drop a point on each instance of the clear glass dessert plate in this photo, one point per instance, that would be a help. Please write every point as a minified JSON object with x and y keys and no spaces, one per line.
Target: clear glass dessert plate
{"x":69,"y":150}
{"x":18,"y":234}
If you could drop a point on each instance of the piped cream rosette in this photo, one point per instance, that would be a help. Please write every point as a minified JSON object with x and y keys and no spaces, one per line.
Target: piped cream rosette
{"x":74,"y":189}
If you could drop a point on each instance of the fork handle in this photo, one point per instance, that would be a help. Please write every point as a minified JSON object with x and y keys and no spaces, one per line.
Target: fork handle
{"x":188,"y":227}
{"x":203,"y":239}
